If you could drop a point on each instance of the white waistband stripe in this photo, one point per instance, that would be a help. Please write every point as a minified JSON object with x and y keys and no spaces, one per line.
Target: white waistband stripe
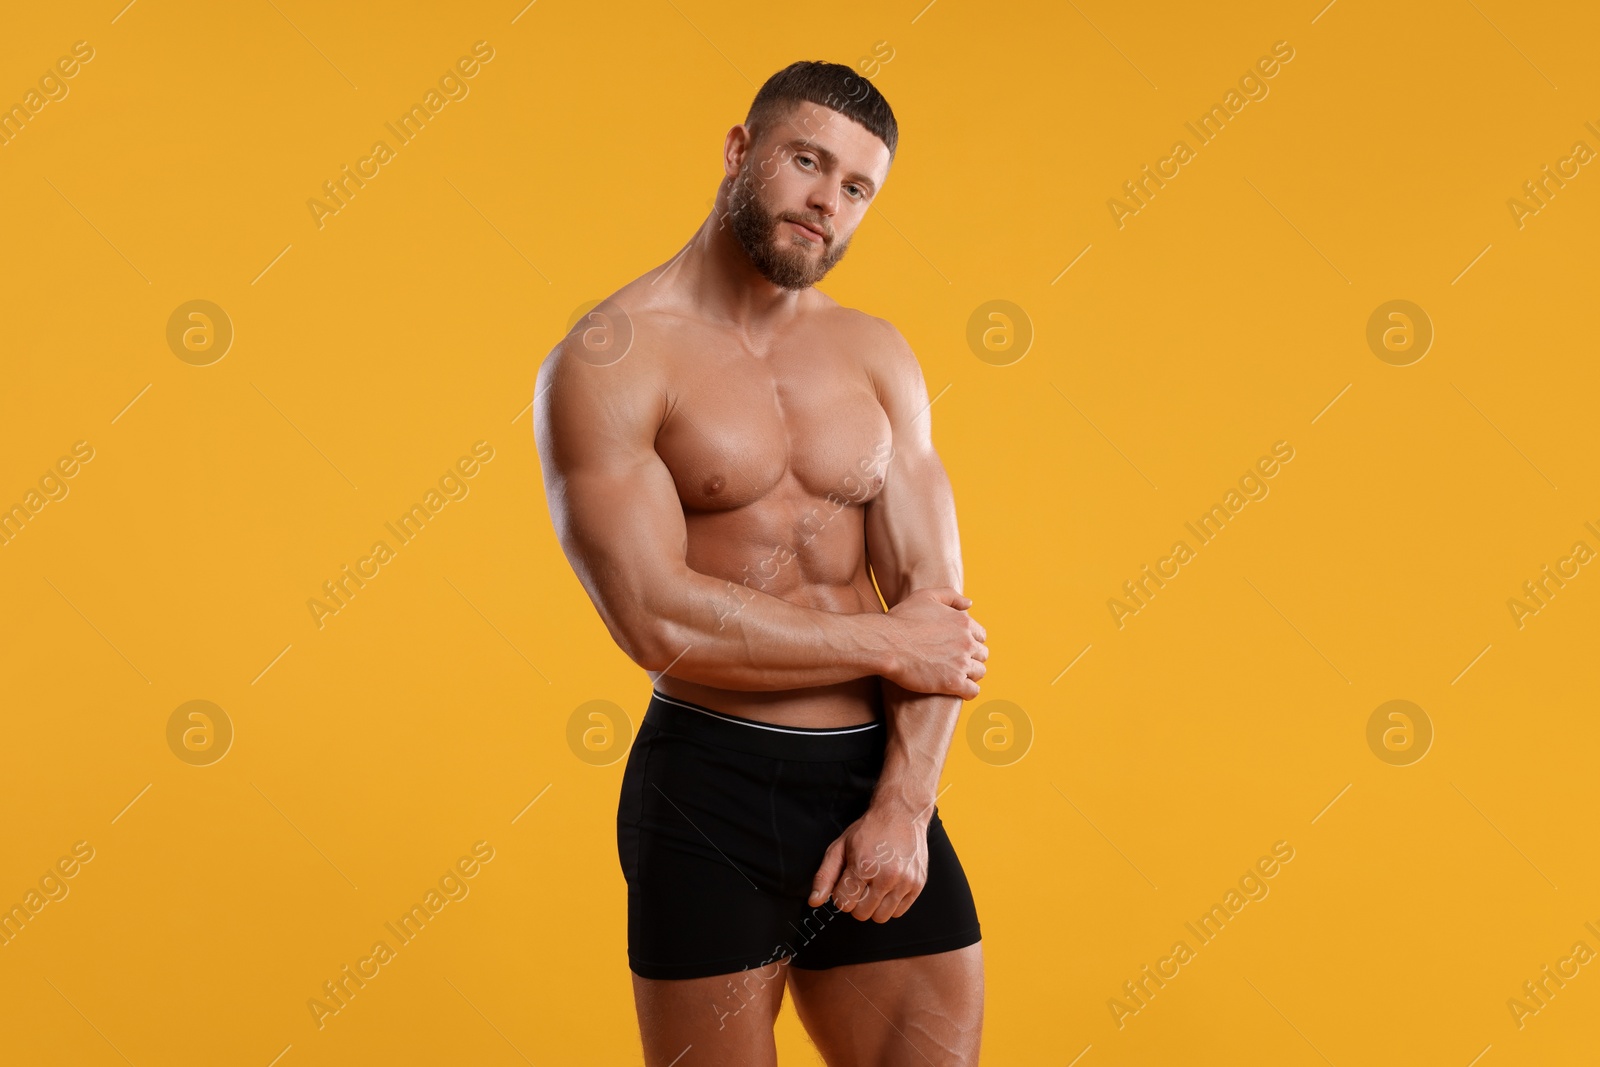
{"x":863,"y":727}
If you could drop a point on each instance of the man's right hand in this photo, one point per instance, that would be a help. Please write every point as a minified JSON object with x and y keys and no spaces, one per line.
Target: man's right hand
{"x":938,"y":647}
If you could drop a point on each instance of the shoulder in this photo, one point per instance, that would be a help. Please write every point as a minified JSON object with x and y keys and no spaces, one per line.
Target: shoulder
{"x":885,"y":359}
{"x":614,"y":334}
{"x":886,"y":355}
{"x":883,"y":348}
{"x":605,"y":375}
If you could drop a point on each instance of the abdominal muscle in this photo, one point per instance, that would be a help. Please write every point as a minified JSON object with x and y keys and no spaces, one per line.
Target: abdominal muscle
{"x":849,"y":703}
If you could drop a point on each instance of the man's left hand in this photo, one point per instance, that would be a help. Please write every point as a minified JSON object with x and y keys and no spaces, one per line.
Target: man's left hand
{"x":877,"y":867}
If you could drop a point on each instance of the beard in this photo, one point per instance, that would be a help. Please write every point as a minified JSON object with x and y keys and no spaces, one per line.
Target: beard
{"x":784,"y":258}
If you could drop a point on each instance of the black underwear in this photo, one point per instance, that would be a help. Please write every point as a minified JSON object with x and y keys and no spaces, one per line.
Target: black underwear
{"x":721,"y":826}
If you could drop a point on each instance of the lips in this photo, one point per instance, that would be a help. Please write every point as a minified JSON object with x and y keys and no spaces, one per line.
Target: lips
{"x":808,"y":227}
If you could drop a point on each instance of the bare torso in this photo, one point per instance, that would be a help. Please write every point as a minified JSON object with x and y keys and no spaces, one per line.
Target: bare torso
{"x":776,"y":443}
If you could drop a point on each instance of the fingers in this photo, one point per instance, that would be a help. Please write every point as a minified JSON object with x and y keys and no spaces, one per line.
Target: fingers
{"x":963,"y":687}
{"x":874,"y":888}
{"x":862,"y":898}
{"x":882,"y":902}
{"x":956,"y":682}
{"x":906,"y":902}
{"x":891,"y":906}
{"x":855,"y":891}
{"x":947,"y":595}
{"x":827,"y":876}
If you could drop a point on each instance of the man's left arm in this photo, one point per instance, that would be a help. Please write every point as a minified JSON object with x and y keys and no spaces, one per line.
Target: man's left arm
{"x":880,"y":863}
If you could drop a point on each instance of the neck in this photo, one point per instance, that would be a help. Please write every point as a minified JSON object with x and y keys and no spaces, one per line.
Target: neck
{"x":716,"y":273}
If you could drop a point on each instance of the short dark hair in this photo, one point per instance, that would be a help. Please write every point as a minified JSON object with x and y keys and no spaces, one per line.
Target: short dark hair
{"x":833,"y":85}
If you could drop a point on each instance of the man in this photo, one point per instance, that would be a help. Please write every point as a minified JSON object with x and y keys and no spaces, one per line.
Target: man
{"x":724,"y":449}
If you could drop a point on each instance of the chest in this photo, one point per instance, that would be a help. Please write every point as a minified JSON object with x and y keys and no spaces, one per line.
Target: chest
{"x":743,"y":428}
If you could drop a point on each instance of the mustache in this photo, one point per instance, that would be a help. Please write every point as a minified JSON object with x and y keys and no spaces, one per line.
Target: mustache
{"x":816,"y":224}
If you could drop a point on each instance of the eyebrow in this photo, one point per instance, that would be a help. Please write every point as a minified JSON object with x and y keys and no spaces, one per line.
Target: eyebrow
{"x":833,"y":161}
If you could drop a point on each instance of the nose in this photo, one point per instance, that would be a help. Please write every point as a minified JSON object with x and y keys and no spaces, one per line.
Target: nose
{"x":824,"y":201}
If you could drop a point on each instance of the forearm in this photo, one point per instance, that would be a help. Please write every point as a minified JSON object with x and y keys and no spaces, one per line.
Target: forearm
{"x":920,"y":726}
{"x":712,"y":632}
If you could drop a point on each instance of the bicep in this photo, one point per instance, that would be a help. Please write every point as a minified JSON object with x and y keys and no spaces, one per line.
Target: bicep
{"x":912,"y":537}
{"x":612,"y":500}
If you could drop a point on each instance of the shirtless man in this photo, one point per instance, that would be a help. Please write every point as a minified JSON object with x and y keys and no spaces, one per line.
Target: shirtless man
{"x":724,"y":449}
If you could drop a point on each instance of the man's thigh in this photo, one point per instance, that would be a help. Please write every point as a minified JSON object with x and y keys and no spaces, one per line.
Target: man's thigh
{"x":722,"y":1021}
{"x":915,"y":1010}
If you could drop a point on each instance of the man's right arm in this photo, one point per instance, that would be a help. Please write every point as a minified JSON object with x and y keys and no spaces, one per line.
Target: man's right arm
{"x":620,"y":522}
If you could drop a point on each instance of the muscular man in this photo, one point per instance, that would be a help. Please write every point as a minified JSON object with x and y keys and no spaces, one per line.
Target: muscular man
{"x":726,"y":451}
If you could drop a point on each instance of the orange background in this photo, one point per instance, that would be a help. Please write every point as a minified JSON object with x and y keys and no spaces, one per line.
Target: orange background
{"x":369,"y":754}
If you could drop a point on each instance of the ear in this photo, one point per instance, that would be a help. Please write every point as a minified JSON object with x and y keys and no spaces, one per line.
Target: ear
{"x":734,"y":148}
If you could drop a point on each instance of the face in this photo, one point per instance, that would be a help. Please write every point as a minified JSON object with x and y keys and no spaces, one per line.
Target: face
{"x":801,"y":191}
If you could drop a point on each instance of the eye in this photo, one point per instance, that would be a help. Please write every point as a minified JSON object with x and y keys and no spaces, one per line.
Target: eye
{"x":859,"y":192}
{"x":803,"y":159}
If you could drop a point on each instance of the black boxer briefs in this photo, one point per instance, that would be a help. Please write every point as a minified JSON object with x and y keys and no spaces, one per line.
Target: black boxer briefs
{"x":722,"y":823}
